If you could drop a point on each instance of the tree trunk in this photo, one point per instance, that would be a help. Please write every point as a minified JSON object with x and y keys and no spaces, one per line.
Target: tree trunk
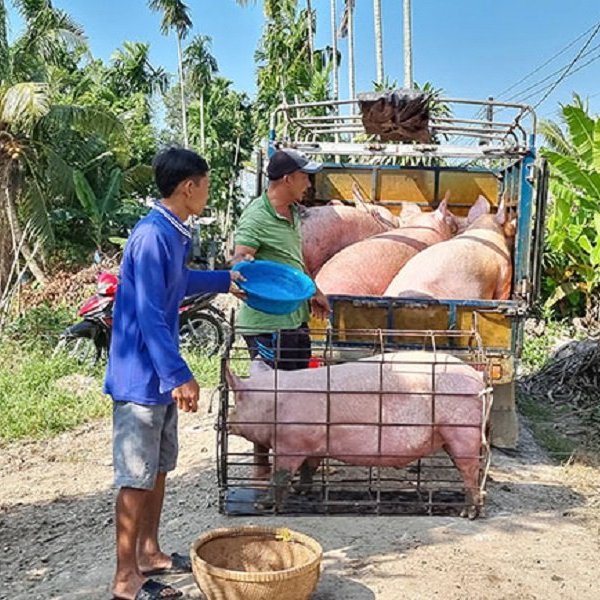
{"x":378,"y":40}
{"x":336,"y":86}
{"x":408,"y":69}
{"x":351,"y":65}
{"x":311,"y":45}
{"x":182,"y":88}
{"x":17,"y":233}
{"x":202,"y":132}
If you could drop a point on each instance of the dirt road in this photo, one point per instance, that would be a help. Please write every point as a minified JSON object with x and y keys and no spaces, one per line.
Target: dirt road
{"x":540,"y":539}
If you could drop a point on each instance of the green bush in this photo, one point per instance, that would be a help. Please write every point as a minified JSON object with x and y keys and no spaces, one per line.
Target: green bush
{"x":39,"y":327}
{"x":35,"y":399}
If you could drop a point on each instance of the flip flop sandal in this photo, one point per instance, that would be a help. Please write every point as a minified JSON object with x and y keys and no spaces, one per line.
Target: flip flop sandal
{"x":179,"y":564}
{"x":155,"y":590}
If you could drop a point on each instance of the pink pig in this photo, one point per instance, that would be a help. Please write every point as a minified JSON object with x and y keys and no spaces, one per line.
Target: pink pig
{"x":476,"y":264}
{"x":328,"y":229}
{"x":293,"y":421}
{"x":366,"y":268}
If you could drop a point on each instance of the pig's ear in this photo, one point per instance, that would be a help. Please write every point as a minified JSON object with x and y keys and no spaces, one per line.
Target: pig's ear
{"x":359,"y":200}
{"x":410,"y":209}
{"x":510,"y":228}
{"x":481,"y":207}
{"x":233,"y":381}
{"x":442,"y":212}
{"x":500,"y":217}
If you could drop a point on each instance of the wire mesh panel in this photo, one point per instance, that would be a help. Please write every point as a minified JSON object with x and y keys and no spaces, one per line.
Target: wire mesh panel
{"x":380,"y":431}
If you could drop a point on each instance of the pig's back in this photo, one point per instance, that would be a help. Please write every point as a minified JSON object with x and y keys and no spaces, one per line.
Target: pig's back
{"x":366,"y":268}
{"x":457,"y":269}
{"x":328,"y":229}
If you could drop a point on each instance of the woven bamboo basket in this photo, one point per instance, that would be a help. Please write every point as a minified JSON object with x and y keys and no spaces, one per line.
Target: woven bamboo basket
{"x":256,"y":563}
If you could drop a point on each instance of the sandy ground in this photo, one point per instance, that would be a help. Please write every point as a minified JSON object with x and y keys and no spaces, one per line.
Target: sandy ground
{"x":540,"y":538}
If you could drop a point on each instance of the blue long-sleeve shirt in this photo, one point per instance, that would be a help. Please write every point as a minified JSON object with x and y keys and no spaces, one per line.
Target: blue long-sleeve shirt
{"x":144,"y":362}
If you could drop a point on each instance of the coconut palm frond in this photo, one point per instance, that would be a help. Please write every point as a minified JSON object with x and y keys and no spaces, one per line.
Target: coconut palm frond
{"x":87,"y":120}
{"x":24,"y":103}
{"x":34,"y":205}
{"x":176,"y":15}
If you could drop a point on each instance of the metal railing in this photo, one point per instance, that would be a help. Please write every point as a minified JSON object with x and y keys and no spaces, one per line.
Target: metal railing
{"x":336,"y":128}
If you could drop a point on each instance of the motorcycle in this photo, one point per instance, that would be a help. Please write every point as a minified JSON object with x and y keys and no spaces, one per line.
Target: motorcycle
{"x":202,"y":326}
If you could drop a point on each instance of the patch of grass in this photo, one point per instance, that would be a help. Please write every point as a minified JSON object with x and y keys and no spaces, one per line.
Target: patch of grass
{"x":39,"y":399}
{"x":536,"y":349}
{"x":544,"y":420}
{"x":206,"y":369}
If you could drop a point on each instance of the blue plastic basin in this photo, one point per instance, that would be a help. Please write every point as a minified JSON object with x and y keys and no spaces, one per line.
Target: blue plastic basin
{"x":274,"y":288}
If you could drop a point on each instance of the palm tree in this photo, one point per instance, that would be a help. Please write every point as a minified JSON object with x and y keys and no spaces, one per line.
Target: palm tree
{"x":49,"y":36}
{"x":200,"y":66}
{"x":131,"y":71}
{"x":378,"y":40}
{"x":35,"y":130}
{"x":176,"y":16}
{"x":336,"y":88}
{"x":347,"y":30}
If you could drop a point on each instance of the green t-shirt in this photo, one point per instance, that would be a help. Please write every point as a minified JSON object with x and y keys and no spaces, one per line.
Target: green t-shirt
{"x":276,"y":239}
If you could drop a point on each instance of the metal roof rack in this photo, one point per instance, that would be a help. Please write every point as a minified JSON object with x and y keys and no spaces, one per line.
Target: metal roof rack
{"x":506,"y":130}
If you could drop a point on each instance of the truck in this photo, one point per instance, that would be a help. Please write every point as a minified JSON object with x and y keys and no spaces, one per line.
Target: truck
{"x":473,"y":148}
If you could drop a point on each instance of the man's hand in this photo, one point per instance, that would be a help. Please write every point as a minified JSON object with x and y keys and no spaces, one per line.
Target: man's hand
{"x":233,"y":288}
{"x":320,"y":305}
{"x":187,"y":395}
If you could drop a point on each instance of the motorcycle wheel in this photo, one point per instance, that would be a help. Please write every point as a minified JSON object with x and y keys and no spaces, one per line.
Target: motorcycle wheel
{"x":202,"y":332}
{"x":81,"y":349}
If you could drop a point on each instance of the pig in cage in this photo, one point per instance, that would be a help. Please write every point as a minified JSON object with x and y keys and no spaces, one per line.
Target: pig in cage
{"x":367,"y":428}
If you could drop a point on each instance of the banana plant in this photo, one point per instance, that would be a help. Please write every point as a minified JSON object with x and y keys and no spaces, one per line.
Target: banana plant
{"x":573,"y":152}
{"x":98,"y":208}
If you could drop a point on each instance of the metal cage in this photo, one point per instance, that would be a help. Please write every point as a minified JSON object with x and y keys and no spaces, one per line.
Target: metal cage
{"x":472,"y":129}
{"x":430,"y":484}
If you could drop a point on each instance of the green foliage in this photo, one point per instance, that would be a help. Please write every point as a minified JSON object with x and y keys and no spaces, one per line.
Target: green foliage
{"x":34,"y":402}
{"x":285,"y":69}
{"x":39,"y":327}
{"x":97,"y":208}
{"x":572,"y":276}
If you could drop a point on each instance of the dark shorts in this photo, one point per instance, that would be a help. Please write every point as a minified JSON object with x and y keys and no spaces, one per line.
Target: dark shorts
{"x":287,"y":349}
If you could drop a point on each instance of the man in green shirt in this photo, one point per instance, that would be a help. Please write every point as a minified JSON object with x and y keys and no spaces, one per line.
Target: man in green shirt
{"x":269,"y":229}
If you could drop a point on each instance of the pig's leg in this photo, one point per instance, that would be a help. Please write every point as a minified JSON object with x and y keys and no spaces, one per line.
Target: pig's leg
{"x":465,"y":456}
{"x":284,"y":468}
{"x":307,"y":473}
{"x":262,"y":468}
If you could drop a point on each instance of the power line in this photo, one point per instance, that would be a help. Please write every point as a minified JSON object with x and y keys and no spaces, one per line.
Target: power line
{"x":481,"y":111}
{"x":571,"y":65}
{"x":550,"y":76}
{"x":537,"y":69}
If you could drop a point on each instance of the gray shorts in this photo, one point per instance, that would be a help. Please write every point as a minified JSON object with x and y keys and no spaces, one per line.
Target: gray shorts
{"x":144,"y":443}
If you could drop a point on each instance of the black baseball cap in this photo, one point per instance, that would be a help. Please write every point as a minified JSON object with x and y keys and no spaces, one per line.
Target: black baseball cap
{"x":288,"y":161}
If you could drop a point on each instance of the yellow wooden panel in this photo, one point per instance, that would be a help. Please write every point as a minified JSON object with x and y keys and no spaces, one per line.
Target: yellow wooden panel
{"x":466,"y":187}
{"x":347,"y":316}
{"x":336,"y":184}
{"x":433,"y":317}
{"x":495,"y":328}
{"x":406,"y":186}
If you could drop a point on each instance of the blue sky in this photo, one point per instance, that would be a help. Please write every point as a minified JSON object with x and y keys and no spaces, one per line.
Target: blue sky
{"x":470,"y":48}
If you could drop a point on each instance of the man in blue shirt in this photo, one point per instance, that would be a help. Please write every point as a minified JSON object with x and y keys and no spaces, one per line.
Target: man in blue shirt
{"x":146,"y":375}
